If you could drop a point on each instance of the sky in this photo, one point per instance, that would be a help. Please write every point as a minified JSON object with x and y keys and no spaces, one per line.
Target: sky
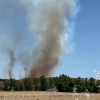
{"x":85,"y":56}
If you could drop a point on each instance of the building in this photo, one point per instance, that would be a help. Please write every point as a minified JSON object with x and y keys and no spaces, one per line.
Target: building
{"x":53,"y":90}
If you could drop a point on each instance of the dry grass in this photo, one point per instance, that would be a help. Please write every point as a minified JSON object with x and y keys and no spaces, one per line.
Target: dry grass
{"x":47,"y":96}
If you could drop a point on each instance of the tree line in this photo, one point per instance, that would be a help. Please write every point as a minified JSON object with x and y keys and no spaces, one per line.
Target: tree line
{"x":63,"y":83}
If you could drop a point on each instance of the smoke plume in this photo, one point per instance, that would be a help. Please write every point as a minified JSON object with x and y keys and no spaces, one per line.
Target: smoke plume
{"x":12,"y":61}
{"x":48,"y":22}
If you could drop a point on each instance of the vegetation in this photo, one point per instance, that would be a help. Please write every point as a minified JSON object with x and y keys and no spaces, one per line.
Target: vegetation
{"x":63,"y":83}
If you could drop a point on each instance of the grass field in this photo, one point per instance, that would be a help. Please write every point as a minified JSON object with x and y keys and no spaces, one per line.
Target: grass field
{"x":47,"y":96}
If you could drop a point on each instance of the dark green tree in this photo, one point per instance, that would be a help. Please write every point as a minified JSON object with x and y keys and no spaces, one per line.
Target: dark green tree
{"x":21,"y":86}
{"x":51,"y":83}
{"x":43,"y":83}
{"x":17,"y":86}
{"x":6,"y":85}
{"x":12,"y":84}
{"x":79,"y":88}
{"x":95,"y":89}
{"x":92,"y":81}
{"x":28,"y":85}
{"x":60,"y":87}
{"x":36,"y":84}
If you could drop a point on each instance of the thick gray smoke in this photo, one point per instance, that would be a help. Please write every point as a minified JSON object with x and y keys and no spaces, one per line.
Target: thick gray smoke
{"x":46,"y":21}
{"x":12,"y":61}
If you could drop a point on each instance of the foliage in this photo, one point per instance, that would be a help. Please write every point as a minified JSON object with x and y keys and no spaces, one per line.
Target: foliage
{"x":28,"y":84}
{"x":63,"y":83}
{"x":43,"y":83}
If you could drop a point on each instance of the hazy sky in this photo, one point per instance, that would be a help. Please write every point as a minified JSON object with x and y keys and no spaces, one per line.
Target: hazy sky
{"x":84,"y":55}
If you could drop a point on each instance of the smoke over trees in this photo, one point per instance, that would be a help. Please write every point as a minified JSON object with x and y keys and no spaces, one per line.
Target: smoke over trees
{"x":12,"y":61}
{"x":46,"y":21}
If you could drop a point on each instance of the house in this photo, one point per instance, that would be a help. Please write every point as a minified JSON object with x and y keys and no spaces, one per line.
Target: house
{"x":53,"y":90}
